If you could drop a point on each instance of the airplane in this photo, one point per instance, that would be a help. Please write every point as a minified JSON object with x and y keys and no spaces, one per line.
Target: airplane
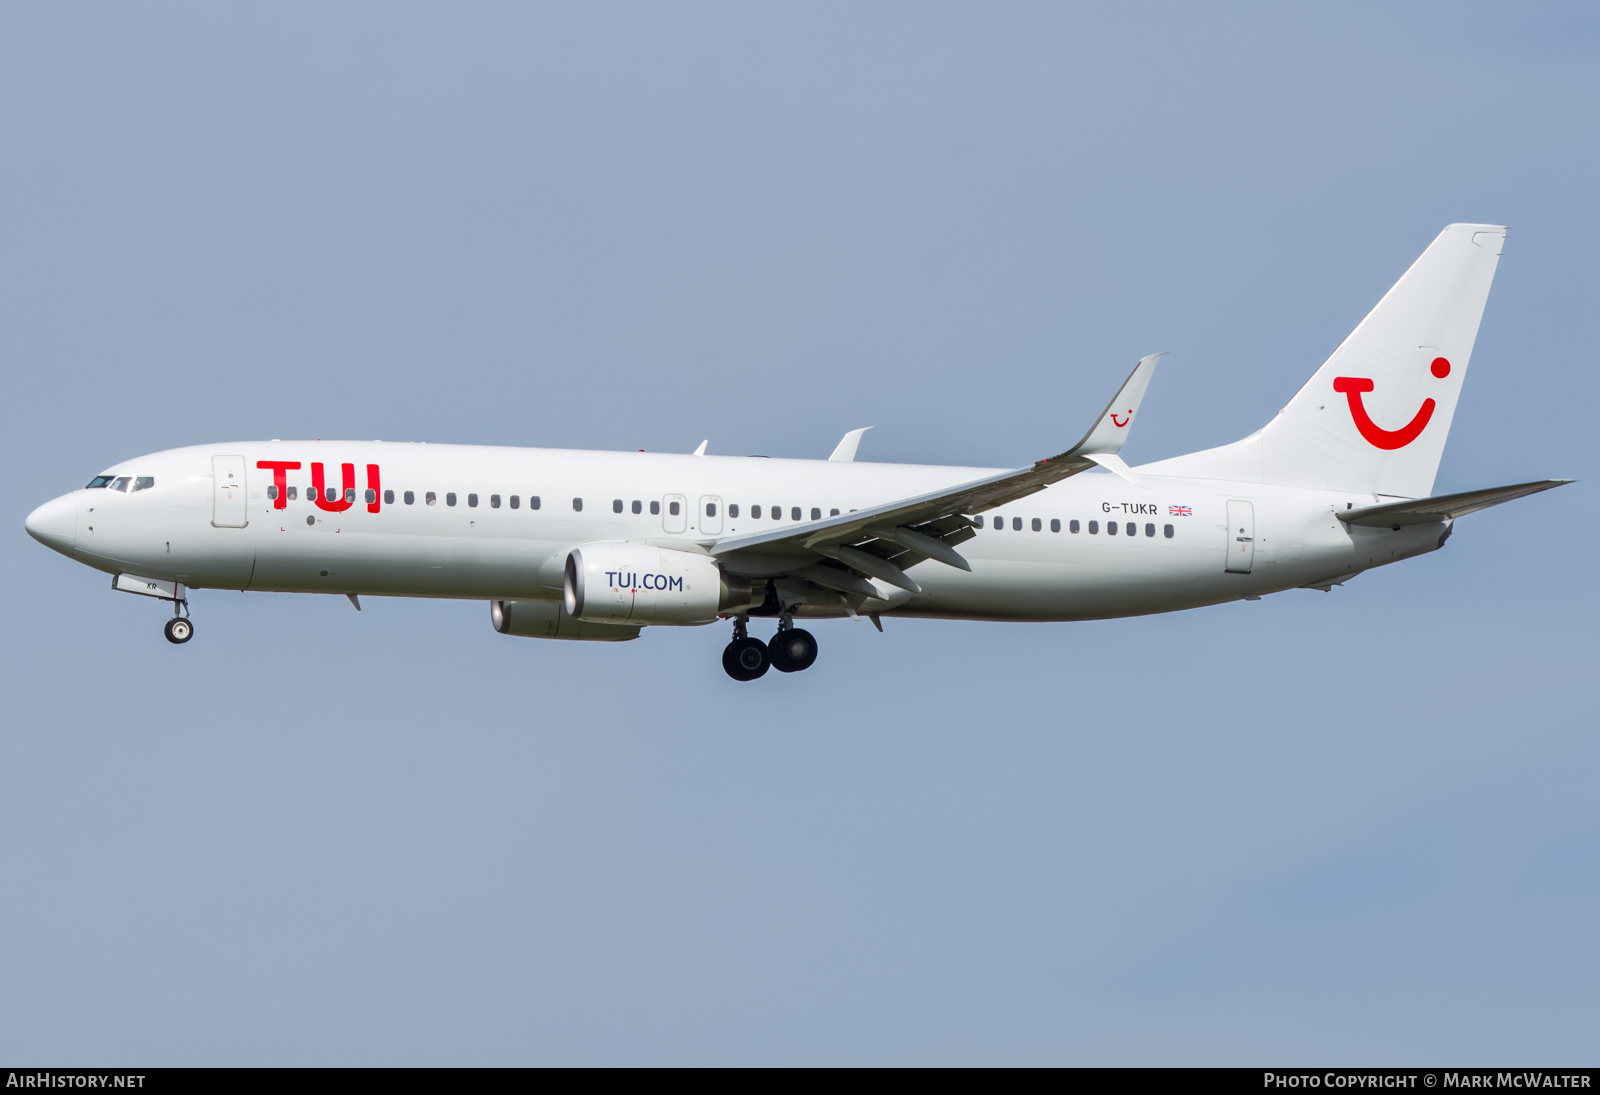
{"x":596,"y":546}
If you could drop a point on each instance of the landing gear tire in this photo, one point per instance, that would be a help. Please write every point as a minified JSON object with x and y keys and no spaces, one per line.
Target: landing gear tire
{"x":746,"y":659}
{"x":792,"y":650}
{"x":179,"y":629}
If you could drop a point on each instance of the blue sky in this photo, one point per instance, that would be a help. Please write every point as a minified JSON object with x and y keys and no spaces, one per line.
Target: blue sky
{"x":1351,"y":827}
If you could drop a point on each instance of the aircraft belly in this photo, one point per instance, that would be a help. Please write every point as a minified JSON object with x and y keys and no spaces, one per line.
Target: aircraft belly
{"x":1089,"y":582}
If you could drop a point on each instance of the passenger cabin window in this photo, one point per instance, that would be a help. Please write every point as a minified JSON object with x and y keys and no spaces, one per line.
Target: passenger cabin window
{"x":816,"y":513}
{"x":533,"y":501}
{"x":1166,"y":530}
{"x":616,"y":505}
{"x":755,"y":512}
{"x":794,"y":513}
{"x":1094,"y":527}
{"x":450,"y":498}
{"x":98,"y":482}
{"x":777,"y":513}
{"x":120,"y":483}
{"x":1132,"y":529}
{"x":494,"y":501}
{"x":332,"y":494}
{"x":674,"y":508}
{"x":577,"y":505}
{"x":430,"y":498}
{"x":1055,"y":524}
{"x":711,"y":509}
{"x":655,"y":509}
{"x":388,"y":497}
{"x":999,"y":522}
{"x":733,"y":510}
{"x":292,"y":492}
{"x":833,"y":513}
{"x":1149,"y":530}
{"x":1072,"y":525}
{"x":516,"y":501}
{"x":1016,"y":524}
{"x":410,"y":497}
{"x":638,"y":506}
{"x":1036,"y":525}
{"x":472,"y":500}
{"x":1111,"y":528}
{"x":144,"y":482}
{"x":372,"y":496}
{"x":272,"y":492}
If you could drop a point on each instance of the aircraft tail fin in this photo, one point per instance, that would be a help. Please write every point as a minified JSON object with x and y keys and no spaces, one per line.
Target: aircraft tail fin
{"x":1375,"y":417}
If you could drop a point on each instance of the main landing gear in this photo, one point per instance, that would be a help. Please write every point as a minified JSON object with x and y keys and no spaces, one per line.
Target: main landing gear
{"x":792,"y":649}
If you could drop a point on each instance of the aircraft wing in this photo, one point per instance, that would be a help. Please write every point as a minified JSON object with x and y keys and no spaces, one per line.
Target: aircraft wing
{"x":1422,"y":511}
{"x":881,"y":541}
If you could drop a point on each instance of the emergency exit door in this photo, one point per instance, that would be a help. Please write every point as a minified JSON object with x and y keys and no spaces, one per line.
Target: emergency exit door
{"x":229,"y":503}
{"x":674,"y":513}
{"x":710,"y":515}
{"x":1241,"y":537}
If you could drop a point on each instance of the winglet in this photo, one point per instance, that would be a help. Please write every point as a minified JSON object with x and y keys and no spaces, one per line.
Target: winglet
{"x":846,"y":448}
{"x":1107,"y":435}
{"x":701,"y":451}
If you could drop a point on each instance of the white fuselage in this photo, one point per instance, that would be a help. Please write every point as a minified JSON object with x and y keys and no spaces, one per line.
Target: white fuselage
{"x":1170,"y":549}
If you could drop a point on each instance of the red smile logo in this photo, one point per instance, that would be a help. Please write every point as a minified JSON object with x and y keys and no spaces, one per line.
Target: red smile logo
{"x":1353,"y":387}
{"x":1125,"y":421}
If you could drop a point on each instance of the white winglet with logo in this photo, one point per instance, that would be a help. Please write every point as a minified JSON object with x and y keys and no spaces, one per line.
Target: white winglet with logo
{"x":1107,"y":436}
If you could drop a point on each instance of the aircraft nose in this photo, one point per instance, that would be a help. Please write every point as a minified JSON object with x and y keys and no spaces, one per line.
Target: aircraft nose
{"x":55,"y":524}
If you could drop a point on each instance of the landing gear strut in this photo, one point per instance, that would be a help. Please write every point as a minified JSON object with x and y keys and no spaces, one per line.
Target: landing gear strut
{"x":745,"y":658}
{"x":179,"y":629}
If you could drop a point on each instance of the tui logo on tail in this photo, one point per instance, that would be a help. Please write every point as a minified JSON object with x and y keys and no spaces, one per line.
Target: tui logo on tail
{"x":1353,"y":387}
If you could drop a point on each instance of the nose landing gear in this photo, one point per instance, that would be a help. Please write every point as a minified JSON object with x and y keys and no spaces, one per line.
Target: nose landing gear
{"x":179,"y":629}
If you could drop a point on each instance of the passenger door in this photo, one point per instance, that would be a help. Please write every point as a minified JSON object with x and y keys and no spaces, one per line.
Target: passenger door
{"x":710,"y":515}
{"x":1241,"y":537}
{"x":229,"y":502}
{"x":674,"y":513}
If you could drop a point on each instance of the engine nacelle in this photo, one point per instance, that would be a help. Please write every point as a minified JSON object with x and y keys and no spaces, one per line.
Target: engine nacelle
{"x":639,"y":584}
{"x":549,"y":620}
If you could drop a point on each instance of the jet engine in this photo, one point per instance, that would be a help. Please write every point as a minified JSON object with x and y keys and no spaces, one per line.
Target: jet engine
{"x":638,"y":584}
{"x":549,"y":620}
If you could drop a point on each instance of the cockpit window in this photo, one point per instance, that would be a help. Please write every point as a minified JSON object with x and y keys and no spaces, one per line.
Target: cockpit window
{"x":121,"y":483}
{"x":98,"y":481}
{"x":144,"y":482}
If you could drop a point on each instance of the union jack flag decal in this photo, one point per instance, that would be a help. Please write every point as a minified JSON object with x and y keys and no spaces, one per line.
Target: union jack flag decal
{"x":1179,"y":511}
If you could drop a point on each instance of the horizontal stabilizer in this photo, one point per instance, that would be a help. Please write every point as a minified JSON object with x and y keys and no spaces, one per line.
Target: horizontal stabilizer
{"x":1423,"y":511}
